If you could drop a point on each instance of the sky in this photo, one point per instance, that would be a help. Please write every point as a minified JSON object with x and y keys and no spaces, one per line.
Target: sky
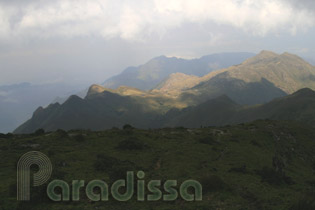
{"x":84,"y":42}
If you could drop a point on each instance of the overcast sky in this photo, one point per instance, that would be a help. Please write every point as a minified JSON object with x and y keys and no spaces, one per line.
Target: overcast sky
{"x":80,"y":41}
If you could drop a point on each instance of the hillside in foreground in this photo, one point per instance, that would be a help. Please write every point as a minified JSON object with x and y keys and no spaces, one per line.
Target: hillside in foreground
{"x":260,"y":165}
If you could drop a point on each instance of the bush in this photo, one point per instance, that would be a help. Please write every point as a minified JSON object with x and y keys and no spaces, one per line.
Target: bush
{"x":104,"y":162}
{"x":212,"y":183}
{"x":207,"y":140}
{"x":9,"y":135}
{"x":307,"y":202}
{"x":116,"y":168}
{"x":12,"y":189}
{"x":127,"y":127}
{"x":181,"y":128}
{"x":62,"y":133}
{"x":131,"y":144}
{"x":79,"y":138}
{"x":255,"y":143}
{"x":39,"y":132}
{"x":241,"y":169}
{"x":273,"y":177}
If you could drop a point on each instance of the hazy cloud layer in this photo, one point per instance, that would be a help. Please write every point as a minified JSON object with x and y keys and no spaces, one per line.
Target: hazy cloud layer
{"x":138,"y":20}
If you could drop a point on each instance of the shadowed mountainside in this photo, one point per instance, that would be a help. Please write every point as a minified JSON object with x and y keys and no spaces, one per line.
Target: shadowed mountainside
{"x":299,"y":106}
{"x":98,"y":112}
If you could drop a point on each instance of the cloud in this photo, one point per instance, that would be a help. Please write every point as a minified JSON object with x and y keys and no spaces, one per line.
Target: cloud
{"x":138,"y":20}
{"x":305,"y":4}
{"x":4,"y":23}
{"x":3,"y":93}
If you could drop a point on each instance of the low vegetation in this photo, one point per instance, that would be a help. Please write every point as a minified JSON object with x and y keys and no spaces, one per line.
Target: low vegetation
{"x":261,"y":165}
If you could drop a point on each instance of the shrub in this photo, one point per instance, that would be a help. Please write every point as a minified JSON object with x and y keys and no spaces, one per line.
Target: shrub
{"x":39,"y":132}
{"x":207,"y":140}
{"x":241,"y":169}
{"x":116,"y":168}
{"x":255,"y":143}
{"x":127,"y":127}
{"x":307,"y":202}
{"x":181,"y":128}
{"x":131,"y":144}
{"x":273,"y":177}
{"x":9,"y":135}
{"x":62,"y":133}
{"x":212,"y":183}
{"x":4,"y":148}
{"x":104,"y":162}
{"x":79,"y":138}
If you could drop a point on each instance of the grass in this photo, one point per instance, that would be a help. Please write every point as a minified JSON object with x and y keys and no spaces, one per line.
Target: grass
{"x":233,"y":163}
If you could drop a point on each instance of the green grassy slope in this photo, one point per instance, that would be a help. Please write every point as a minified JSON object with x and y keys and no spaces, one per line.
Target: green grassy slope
{"x":260,"y":165}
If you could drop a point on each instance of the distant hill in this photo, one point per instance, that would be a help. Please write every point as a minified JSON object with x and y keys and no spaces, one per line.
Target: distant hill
{"x":299,"y":106}
{"x":150,"y":74}
{"x":257,"y":80}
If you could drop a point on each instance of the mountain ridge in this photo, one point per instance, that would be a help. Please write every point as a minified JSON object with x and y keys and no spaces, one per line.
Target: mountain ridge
{"x":181,"y":97}
{"x":299,"y":106}
{"x":150,"y":74}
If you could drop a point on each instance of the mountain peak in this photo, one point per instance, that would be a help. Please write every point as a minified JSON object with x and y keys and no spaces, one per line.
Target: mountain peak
{"x":266,"y":53}
{"x":96,"y":89}
{"x":261,"y":57}
{"x":73,"y":99}
{"x":304,"y":92}
{"x":38,"y":111}
{"x":159,"y":58}
{"x":178,"y":74}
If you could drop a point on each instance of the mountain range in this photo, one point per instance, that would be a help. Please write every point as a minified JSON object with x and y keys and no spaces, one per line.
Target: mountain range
{"x":265,"y":86}
{"x":150,"y":74}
